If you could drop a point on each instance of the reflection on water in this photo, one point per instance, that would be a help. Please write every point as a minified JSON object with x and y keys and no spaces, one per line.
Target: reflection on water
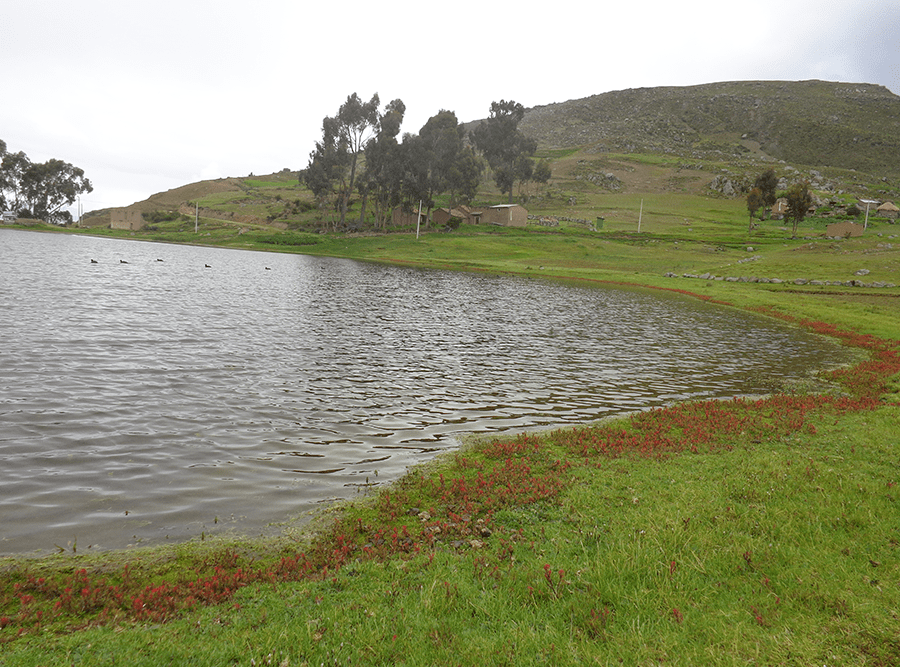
{"x":165,"y":391}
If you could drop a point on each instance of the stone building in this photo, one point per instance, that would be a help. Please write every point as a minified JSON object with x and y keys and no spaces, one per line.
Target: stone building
{"x":126,"y":218}
{"x":507,"y":215}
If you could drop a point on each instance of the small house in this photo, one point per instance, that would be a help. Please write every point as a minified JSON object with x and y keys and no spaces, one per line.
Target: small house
{"x":780,"y":209}
{"x":467,"y":214}
{"x":8,"y":216}
{"x":888,"y":210}
{"x":506,"y":215}
{"x":401,"y":216}
{"x":441,"y":216}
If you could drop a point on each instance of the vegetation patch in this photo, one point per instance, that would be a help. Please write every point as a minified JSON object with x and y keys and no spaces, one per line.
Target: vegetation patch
{"x":286,"y":239}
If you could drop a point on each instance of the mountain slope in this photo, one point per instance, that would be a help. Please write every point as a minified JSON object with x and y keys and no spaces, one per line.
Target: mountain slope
{"x":816,"y":123}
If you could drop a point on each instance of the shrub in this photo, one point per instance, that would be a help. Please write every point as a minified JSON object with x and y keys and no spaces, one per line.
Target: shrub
{"x":161,"y":216}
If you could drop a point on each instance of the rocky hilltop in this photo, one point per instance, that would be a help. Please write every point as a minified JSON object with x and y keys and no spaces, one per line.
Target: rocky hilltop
{"x":815,"y":123}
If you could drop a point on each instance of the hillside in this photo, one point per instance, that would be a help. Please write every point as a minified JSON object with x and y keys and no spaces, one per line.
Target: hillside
{"x":813,"y":123}
{"x":705,"y":141}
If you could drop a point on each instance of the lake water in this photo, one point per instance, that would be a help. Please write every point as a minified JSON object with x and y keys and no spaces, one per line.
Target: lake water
{"x":168,"y":391}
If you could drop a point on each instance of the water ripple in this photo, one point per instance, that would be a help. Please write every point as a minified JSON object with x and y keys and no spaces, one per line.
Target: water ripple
{"x":158,"y":400}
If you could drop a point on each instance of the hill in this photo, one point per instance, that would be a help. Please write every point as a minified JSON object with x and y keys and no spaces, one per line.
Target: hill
{"x":705,"y":141}
{"x":814,"y":123}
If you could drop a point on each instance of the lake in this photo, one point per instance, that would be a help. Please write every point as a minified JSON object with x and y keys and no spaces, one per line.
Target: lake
{"x":153,"y":392}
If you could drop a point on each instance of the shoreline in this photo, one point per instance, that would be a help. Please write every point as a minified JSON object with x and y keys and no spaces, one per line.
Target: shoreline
{"x":300,"y":521}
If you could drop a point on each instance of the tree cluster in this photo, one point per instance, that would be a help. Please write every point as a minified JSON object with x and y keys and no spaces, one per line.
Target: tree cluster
{"x":40,"y":190}
{"x":360,"y":153}
{"x":763,"y":196}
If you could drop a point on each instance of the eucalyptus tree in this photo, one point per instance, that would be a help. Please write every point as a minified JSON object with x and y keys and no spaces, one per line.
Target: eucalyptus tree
{"x":767,"y":184}
{"x":40,"y":189}
{"x":755,"y":202}
{"x":49,"y":187}
{"x":384,"y":164}
{"x":438,"y":160}
{"x":326,"y":173}
{"x":432,"y":156}
{"x":542,"y":171}
{"x":464,"y":176}
{"x":333,"y":164}
{"x":503,"y":145}
{"x":13,"y":167}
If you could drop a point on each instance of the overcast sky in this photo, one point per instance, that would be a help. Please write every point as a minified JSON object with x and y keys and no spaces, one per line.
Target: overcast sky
{"x":148,"y":96}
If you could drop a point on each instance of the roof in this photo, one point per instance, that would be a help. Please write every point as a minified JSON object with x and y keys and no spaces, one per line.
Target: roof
{"x":888,"y":206}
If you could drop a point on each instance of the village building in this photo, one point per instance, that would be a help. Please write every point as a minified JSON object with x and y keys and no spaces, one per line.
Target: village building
{"x":126,"y":218}
{"x":888,"y":210}
{"x":507,"y":215}
{"x":403,"y":217}
{"x":779,"y":210}
{"x":467,"y":214}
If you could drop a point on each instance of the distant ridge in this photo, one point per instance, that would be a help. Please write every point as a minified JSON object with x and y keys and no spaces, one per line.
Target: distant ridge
{"x":816,"y":123}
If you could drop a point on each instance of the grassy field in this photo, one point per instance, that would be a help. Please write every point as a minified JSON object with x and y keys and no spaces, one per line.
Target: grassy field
{"x":725,"y":533}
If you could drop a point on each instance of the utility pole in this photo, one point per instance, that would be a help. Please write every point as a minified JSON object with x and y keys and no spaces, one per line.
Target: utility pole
{"x":868,"y":203}
{"x":196,"y":215}
{"x":640,"y":216}
{"x":418,"y":219}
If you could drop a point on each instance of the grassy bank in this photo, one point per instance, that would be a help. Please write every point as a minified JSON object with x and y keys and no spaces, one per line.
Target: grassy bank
{"x":743,"y":532}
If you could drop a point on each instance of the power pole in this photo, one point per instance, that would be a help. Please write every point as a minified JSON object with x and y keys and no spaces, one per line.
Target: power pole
{"x":868,"y":203}
{"x":418,"y":219}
